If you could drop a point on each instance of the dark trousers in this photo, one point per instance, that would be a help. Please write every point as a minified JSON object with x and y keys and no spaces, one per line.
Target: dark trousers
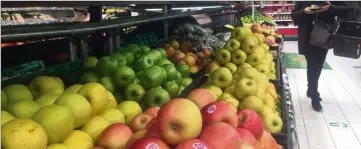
{"x":315,"y":58}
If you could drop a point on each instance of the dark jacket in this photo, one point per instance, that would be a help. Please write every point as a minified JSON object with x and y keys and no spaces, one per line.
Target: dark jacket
{"x":305,"y":21}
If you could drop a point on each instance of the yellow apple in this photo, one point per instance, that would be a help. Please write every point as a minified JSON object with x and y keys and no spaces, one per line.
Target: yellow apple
{"x":130,"y":109}
{"x":95,"y":126}
{"x":232,"y":67}
{"x":96,"y":95}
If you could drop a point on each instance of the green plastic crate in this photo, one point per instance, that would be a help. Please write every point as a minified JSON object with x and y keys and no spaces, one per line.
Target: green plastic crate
{"x":149,"y":39}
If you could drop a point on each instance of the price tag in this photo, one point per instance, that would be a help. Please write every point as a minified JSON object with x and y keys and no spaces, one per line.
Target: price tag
{"x":202,"y":19}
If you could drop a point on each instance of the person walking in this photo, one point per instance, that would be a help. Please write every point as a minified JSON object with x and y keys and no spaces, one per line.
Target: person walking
{"x":303,"y":16}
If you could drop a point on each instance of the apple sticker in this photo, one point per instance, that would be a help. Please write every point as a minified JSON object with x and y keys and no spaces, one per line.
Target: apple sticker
{"x":199,"y":146}
{"x":211,"y":109}
{"x":152,"y":146}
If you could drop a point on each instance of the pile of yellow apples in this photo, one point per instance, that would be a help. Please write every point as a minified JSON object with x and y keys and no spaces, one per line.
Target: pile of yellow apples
{"x":241,"y":73}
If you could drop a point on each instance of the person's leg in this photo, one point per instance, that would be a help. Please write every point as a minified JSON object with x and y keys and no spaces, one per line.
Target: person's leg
{"x":315,"y":58}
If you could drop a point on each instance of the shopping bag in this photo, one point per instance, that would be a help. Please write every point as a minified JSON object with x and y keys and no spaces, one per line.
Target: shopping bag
{"x":321,"y":35}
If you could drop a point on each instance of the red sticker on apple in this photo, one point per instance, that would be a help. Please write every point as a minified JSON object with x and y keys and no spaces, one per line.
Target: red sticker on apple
{"x":199,"y":146}
{"x":152,"y":146}
{"x":211,"y":109}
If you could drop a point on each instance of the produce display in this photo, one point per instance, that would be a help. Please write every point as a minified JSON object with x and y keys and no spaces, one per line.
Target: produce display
{"x":131,"y":98}
{"x":137,"y":73}
{"x":240,"y":74}
{"x":183,"y":53}
{"x":258,"y":18}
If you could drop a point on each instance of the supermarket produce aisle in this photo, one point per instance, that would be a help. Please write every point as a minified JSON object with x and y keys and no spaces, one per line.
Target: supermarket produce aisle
{"x":339,"y":125}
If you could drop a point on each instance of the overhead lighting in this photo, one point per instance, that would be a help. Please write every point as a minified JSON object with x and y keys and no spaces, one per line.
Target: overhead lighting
{"x":185,"y":8}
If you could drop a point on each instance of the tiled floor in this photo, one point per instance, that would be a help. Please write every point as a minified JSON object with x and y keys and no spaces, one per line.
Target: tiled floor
{"x":339,"y":125}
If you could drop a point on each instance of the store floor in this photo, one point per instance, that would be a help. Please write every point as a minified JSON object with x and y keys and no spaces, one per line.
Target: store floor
{"x":339,"y":125}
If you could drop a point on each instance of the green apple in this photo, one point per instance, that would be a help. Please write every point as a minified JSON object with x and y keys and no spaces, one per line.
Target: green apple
{"x":232,"y":45}
{"x":90,"y":62}
{"x":128,"y":56}
{"x":144,"y":48}
{"x":187,"y":81}
{"x":163,"y":61}
{"x":164,"y":74}
{"x":248,"y":30}
{"x":106,"y":66}
{"x":88,"y":77}
{"x":215,"y":90}
{"x":163,"y":52}
{"x":223,"y":56}
{"x":183,"y":69}
{"x":232,"y":67}
{"x":22,"y":108}
{"x":250,"y":73}
{"x":239,"y":57}
{"x":123,"y":76}
{"x":152,"y":77}
{"x":181,"y":88}
{"x":260,"y":38}
{"x":254,"y":59}
{"x":155,"y":55}
{"x":107,"y":83}
{"x":143,"y":62}
{"x":259,"y":51}
{"x":122,"y":61}
{"x":6,"y":117}
{"x":263,"y":68}
{"x":239,"y":33}
{"x":245,"y":87}
{"x":46,"y":99}
{"x":134,"y":49}
{"x":179,"y":78}
{"x":252,"y":102}
{"x":273,"y":123}
{"x":134,"y":92}
{"x":15,"y":92}
{"x":171,"y":72}
{"x":172,"y":88}
{"x":46,"y":85}
{"x":265,"y":47}
{"x":156,"y":97}
{"x":249,"y":44}
{"x":4,"y":100}
{"x":222,"y":77}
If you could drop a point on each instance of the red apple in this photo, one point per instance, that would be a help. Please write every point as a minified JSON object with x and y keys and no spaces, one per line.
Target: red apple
{"x":140,"y":121}
{"x":170,"y":51}
{"x":153,"y":130}
{"x":201,"y":97}
{"x":194,"y":144}
{"x":200,"y":55}
{"x":152,"y":111}
{"x":212,"y":66}
{"x":206,"y":52}
{"x":220,"y":136}
{"x":186,"y":46}
{"x":149,"y":143}
{"x":136,"y":136}
{"x":219,"y":112}
{"x":231,"y":105}
{"x":267,"y":141}
{"x":179,"y":120}
{"x":250,"y":120}
{"x":247,"y":138}
{"x":115,"y":136}
{"x":178,"y":57}
{"x":150,"y":123}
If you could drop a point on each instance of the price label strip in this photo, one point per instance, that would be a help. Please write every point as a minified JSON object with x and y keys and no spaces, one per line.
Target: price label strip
{"x":202,"y":19}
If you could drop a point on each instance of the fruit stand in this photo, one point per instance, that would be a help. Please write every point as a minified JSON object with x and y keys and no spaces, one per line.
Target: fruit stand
{"x":162,"y":75}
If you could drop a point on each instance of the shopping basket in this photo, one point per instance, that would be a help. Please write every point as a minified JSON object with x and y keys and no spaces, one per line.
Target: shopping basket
{"x":347,"y":39}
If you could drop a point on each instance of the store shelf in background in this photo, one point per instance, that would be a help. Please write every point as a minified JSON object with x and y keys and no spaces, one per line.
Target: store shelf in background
{"x":288,"y":31}
{"x":285,"y":27}
{"x":81,"y":28}
{"x":276,"y":13}
{"x":274,"y":5}
{"x":35,"y":8}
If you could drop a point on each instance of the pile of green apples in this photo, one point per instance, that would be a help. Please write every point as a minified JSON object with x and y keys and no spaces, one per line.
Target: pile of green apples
{"x":240,"y":74}
{"x":138,"y":73}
